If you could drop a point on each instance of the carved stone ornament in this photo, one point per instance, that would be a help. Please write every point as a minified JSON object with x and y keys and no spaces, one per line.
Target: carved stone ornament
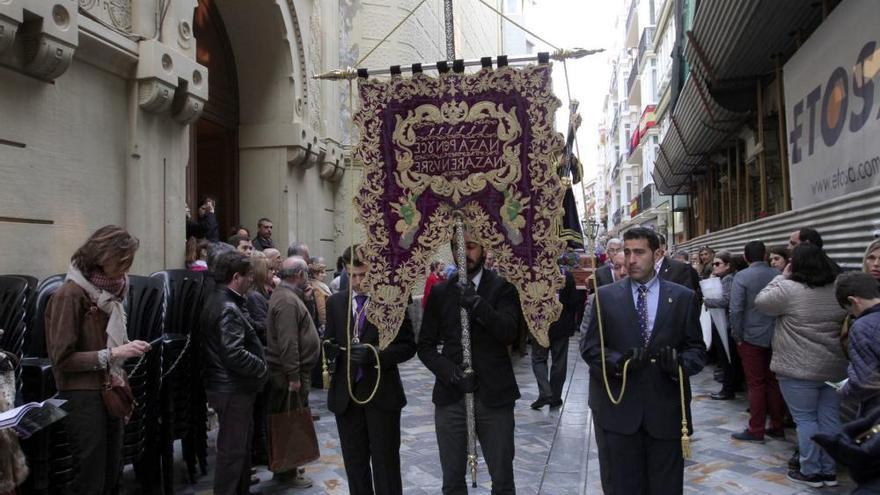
{"x":10,"y":18}
{"x":155,"y":95}
{"x":49,"y":45}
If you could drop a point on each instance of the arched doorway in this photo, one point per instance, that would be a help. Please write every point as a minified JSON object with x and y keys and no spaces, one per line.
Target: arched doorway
{"x":213,"y":167}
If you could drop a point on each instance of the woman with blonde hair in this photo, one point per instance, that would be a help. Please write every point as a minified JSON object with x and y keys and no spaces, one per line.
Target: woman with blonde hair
{"x":871,"y":260}
{"x":317,"y":271}
{"x":87,"y":341}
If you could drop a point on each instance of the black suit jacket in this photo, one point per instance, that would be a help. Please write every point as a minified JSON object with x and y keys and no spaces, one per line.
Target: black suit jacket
{"x":604,"y":275}
{"x":389,"y":396}
{"x":651,"y":397}
{"x":682,"y":274}
{"x":490,"y":336}
{"x":571,"y":300}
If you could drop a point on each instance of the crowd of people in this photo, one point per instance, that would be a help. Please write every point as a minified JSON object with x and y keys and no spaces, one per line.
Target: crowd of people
{"x":798,"y":327}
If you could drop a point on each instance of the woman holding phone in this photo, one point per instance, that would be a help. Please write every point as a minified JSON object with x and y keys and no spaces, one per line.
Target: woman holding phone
{"x":87,"y":341}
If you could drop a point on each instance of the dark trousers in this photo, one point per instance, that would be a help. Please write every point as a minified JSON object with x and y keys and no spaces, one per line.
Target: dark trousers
{"x":604,"y":468}
{"x":232,"y":474}
{"x":764,"y":394}
{"x":495,"y":432}
{"x":731,"y":367}
{"x":368,"y":436}
{"x":95,"y":441}
{"x":639,"y":464}
{"x":260,"y":438}
{"x":558,"y":352}
{"x":282,"y":400}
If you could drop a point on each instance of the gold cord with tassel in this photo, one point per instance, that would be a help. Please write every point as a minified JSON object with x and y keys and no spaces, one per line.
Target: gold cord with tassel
{"x":685,"y":439}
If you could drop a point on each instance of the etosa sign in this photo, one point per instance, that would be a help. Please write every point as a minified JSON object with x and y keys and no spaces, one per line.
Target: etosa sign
{"x":832,"y":105}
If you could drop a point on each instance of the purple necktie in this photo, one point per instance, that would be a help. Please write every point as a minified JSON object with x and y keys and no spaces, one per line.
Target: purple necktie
{"x":359,"y":311}
{"x":642,"y":309}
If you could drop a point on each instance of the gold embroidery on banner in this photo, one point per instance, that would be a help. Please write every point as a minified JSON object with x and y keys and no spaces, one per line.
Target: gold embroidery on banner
{"x":490,"y":123}
{"x":537,"y":279}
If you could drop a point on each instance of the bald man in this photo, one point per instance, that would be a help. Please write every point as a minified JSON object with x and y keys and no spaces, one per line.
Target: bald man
{"x":292,"y":350}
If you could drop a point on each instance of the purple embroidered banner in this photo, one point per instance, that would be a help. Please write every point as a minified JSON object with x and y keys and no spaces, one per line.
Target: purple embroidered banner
{"x":482,"y":144}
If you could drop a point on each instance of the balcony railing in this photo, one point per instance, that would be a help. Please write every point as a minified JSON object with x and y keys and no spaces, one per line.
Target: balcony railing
{"x":645,"y":43}
{"x":633,"y":75}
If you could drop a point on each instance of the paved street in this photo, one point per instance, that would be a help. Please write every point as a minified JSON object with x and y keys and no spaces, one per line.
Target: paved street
{"x":555,"y":450}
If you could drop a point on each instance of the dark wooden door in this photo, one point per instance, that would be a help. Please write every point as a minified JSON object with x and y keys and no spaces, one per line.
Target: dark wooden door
{"x":213,"y":167}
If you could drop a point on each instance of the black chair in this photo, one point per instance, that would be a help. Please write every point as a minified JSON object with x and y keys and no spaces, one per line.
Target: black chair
{"x":144,"y":307}
{"x":35,"y":341}
{"x":14,"y":292}
{"x":182,"y":398}
{"x":48,"y":454}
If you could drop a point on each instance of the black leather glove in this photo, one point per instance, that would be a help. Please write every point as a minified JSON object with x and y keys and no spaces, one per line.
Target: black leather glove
{"x":468,"y":298}
{"x":465,"y":382}
{"x":331,"y":349}
{"x":362,"y":355}
{"x":668,"y":361}
{"x":638,"y":359}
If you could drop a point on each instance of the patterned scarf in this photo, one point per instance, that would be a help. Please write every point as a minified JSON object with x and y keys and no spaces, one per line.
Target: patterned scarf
{"x":114,"y":286}
{"x":110,"y":303}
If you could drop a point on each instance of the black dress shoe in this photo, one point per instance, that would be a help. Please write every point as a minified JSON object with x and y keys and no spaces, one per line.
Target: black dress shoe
{"x":555,"y":403}
{"x":722,"y":395}
{"x":541,"y":402}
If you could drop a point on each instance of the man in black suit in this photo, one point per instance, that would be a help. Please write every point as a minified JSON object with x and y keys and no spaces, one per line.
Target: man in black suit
{"x":561,"y":330}
{"x":676,"y":271}
{"x":495,"y":316}
{"x":653,"y":324}
{"x":368,"y":433}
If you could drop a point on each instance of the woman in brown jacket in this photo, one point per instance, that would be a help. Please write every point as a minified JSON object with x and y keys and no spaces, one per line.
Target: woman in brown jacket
{"x":87,"y":343}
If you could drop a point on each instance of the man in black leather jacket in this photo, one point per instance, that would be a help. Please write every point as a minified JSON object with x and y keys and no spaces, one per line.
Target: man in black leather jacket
{"x":235,"y":370}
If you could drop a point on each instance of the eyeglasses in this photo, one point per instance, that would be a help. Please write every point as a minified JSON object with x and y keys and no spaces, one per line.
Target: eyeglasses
{"x":717,"y":263}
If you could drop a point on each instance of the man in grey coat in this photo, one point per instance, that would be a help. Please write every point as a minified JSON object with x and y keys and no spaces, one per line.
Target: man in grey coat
{"x":753,"y":332}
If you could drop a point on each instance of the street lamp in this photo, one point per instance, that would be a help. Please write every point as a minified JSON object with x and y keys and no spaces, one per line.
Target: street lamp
{"x":590,"y":228}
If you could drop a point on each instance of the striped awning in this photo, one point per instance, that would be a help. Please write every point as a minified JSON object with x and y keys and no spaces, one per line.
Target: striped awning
{"x":699,"y":125}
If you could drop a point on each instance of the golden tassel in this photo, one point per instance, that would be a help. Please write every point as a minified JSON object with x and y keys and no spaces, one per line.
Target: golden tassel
{"x":685,"y":439}
{"x":325,"y":373}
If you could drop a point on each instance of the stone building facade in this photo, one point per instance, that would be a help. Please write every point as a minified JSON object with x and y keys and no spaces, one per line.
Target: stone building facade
{"x":125,"y":111}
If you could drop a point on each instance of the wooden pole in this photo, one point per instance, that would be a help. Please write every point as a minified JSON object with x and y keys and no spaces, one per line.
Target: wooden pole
{"x":729,"y":190}
{"x":783,"y":145}
{"x":739,"y":184}
{"x":762,"y":167}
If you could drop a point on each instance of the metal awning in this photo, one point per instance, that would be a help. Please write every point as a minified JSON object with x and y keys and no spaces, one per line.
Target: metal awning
{"x":738,"y":39}
{"x":699,"y":125}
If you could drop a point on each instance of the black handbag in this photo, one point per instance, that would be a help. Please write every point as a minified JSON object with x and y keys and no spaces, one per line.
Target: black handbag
{"x":857,"y":446}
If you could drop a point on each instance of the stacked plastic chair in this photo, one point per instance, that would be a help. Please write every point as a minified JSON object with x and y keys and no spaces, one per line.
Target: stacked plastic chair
{"x":182,"y":399}
{"x":48,"y":453}
{"x":15,"y":292}
{"x":144,"y":306}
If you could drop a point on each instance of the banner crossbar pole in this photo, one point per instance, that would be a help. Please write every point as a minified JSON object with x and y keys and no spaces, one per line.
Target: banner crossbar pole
{"x":559,"y":55}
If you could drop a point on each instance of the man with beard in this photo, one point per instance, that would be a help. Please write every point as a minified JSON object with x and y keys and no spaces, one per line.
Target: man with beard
{"x":495,"y":318}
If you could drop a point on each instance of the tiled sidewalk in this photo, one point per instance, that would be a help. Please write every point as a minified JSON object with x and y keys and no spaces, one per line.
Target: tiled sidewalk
{"x":556,"y":453}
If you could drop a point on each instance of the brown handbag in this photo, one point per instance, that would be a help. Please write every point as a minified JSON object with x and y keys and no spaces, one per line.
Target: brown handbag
{"x":293,"y":441}
{"x":118,"y":398}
